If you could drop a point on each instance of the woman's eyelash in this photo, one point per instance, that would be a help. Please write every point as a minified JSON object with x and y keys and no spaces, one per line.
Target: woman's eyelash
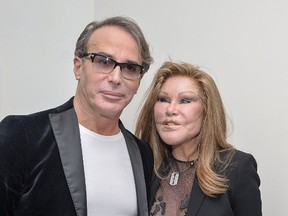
{"x":186,"y":101}
{"x":161,"y":99}
{"x":182,"y":101}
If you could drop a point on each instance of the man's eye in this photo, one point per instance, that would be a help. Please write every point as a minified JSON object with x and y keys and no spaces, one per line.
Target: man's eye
{"x":103,"y":61}
{"x":130,"y":67}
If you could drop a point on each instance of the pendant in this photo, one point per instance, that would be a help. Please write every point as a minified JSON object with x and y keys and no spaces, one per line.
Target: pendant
{"x":174,"y":178}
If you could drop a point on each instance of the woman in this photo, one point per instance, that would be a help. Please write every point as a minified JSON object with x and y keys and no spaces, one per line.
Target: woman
{"x":197,"y":172}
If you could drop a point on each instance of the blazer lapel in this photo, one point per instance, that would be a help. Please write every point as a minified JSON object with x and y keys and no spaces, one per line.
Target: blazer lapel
{"x":196,"y":199}
{"x":138,"y":172}
{"x":67,"y":135}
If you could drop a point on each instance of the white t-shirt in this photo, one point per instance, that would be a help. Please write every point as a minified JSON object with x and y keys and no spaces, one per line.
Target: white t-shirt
{"x":109,"y":177}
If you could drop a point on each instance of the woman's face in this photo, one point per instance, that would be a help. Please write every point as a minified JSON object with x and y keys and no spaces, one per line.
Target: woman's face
{"x":178,"y":112}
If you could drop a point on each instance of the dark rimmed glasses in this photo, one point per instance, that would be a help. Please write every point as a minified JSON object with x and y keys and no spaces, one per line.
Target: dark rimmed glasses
{"x":105,"y":64}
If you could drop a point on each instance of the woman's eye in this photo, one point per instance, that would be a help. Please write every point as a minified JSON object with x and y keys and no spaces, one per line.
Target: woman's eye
{"x":163,"y":100}
{"x":185,"y":101}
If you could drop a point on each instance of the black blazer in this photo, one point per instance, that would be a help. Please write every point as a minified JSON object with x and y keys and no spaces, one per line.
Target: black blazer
{"x":41,"y":165}
{"x":242,"y":198}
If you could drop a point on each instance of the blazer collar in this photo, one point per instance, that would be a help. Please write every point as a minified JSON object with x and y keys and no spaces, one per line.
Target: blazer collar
{"x":137,"y":166}
{"x":196,"y":199}
{"x":67,"y":135}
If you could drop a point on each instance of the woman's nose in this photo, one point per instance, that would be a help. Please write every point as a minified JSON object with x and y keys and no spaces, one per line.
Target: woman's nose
{"x":172,"y":109}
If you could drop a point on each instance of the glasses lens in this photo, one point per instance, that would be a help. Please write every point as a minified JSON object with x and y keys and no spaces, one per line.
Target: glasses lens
{"x":131,"y":71}
{"x":103,"y":64}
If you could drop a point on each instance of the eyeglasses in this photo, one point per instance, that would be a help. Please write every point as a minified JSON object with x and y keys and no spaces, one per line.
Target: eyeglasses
{"x":105,"y":64}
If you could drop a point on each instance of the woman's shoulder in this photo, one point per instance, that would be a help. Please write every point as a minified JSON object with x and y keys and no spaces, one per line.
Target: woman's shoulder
{"x":240,"y":158}
{"x":239,"y":162}
{"x":244,"y":181}
{"x":235,"y":156}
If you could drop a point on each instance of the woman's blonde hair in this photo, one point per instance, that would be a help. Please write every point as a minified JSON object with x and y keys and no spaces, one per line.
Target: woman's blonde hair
{"x":213,"y":134}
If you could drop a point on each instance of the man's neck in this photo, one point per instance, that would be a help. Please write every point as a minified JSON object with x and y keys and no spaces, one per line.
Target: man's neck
{"x":101,"y":126}
{"x":96,"y":122}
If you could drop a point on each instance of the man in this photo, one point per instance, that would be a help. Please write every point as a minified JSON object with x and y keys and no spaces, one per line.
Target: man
{"x":78,"y":158}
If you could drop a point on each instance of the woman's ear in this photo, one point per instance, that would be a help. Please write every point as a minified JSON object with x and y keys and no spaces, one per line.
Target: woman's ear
{"x":77,"y":67}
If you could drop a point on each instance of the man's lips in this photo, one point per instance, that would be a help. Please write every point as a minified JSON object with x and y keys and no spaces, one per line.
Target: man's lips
{"x":112,"y":94}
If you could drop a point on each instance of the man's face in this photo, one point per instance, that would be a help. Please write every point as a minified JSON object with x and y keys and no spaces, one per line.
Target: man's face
{"x":102,"y":94}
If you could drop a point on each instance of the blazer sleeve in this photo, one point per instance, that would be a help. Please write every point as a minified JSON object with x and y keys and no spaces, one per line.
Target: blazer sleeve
{"x":13,"y":148}
{"x":246,"y":193}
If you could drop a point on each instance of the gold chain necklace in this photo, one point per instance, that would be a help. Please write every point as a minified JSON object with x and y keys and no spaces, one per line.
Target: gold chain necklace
{"x":176,"y":174}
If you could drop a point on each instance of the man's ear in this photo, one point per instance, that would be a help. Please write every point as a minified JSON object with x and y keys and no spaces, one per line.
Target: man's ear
{"x":77,"y":67}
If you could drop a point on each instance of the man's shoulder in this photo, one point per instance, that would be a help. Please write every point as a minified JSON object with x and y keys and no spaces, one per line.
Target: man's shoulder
{"x":143,"y":146}
{"x":130,"y":134}
{"x":38,"y":117}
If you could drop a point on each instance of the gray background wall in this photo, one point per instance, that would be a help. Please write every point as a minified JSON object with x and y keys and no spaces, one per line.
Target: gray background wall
{"x":242,"y":44}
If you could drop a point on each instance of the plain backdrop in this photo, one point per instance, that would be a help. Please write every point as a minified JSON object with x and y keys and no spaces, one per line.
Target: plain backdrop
{"x":242,"y":44}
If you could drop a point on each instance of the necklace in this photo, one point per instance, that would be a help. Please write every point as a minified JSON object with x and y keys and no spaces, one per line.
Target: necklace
{"x":175,"y":174}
